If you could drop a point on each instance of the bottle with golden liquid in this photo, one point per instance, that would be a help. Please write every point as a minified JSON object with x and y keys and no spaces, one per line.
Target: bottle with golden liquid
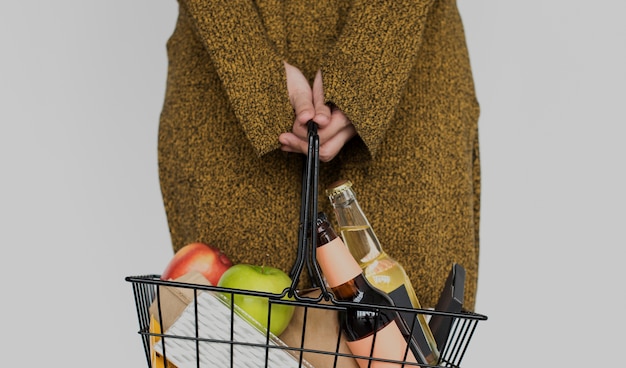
{"x":380,"y":333}
{"x":380,"y":269}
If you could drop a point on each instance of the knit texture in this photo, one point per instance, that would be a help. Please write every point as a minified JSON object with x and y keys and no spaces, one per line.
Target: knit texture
{"x":399,"y":70}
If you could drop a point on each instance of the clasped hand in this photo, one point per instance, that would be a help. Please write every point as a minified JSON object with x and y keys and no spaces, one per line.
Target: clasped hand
{"x":334,"y":128}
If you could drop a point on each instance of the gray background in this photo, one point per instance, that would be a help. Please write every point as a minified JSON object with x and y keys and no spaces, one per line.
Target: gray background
{"x":81,"y":88}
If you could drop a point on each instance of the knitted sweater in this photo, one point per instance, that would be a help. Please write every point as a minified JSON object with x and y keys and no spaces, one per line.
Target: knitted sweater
{"x":398,"y":69}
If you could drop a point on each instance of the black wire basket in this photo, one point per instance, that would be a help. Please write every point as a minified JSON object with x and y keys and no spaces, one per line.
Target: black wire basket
{"x":208,"y":332}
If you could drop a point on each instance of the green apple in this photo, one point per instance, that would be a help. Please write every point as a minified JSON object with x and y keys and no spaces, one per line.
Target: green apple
{"x":259,"y":278}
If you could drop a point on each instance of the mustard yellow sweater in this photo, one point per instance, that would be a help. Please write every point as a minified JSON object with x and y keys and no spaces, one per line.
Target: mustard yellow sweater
{"x":399,"y":69}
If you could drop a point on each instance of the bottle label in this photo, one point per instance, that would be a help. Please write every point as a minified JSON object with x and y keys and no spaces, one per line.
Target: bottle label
{"x":337,"y":263}
{"x":389,"y":344}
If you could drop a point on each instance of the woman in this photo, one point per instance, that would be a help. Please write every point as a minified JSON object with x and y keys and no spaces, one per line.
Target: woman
{"x":393,"y":94}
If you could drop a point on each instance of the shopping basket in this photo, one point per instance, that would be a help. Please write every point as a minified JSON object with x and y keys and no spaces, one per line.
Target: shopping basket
{"x":209,"y":333}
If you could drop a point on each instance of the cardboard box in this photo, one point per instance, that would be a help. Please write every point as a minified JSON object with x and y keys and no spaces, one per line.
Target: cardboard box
{"x":321,"y":333}
{"x":173,"y":300}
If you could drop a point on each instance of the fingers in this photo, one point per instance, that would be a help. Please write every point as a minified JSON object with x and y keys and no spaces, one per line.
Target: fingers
{"x":338,"y":121}
{"x":334,"y":128}
{"x":327,"y":151}
{"x":332,"y":138}
{"x":289,"y":142}
{"x":300,"y":94}
{"x":303,"y":109}
{"x":331,"y":148}
{"x":322,"y":110}
{"x":315,"y":100}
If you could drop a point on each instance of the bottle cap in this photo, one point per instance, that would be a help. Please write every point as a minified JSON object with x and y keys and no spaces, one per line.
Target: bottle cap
{"x":338,"y":187}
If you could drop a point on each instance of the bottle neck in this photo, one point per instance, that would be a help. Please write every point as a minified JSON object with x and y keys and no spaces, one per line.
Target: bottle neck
{"x":354,"y":227}
{"x":325,"y":234}
{"x":351,"y":290}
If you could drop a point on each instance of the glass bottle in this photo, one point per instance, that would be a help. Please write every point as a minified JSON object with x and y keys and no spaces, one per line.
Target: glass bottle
{"x":348,"y":283}
{"x":380,"y":269}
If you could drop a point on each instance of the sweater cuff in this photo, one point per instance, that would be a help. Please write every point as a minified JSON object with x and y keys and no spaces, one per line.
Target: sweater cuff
{"x":365,"y":73}
{"x":252,"y":73}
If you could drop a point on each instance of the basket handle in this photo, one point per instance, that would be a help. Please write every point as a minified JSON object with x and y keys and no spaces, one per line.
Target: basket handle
{"x":307,"y":241}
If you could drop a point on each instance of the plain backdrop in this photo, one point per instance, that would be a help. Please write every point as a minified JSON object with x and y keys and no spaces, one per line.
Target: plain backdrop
{"x":81,"y":88}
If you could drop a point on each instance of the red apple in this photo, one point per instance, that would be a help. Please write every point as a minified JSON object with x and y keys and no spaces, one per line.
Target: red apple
{"x":206,"y":259}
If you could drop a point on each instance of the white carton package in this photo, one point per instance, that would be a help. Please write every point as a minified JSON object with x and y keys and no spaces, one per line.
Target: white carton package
{"x":214,"y":324}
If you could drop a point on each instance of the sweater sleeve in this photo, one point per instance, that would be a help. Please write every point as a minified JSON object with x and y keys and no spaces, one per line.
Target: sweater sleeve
{"x":366,"y":71}
{"x":251,"y":71}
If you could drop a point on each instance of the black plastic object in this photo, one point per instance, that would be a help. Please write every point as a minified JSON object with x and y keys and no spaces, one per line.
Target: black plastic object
{"x":450,"y":300}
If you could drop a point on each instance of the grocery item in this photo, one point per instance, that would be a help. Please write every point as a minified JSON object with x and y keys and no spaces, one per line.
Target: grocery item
{"x":361,"y":325}
{"x":450,"y":300}
{"x":204,"y":258}
{"x":380,"y":269}
{"x":266,"y":279}
{"x":156,"y":359}
{"x":173,"y":300}
{"x":191,"y":317}
{"x":208,"y":334}
{"x":316,"y":330}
